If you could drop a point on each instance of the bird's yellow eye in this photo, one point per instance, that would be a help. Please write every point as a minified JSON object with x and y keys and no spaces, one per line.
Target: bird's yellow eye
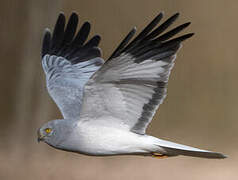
{"x":48,"y":130}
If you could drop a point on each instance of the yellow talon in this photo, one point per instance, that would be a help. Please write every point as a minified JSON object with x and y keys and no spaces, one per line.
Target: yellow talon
{"x":159,"y":156}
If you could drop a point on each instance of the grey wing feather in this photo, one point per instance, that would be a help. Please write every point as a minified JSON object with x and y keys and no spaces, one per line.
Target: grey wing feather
{"x":135,"y":77}
{"x":69,"y":62}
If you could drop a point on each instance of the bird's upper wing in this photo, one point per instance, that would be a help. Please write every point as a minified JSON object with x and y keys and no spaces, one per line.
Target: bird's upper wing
{"x":129,"y":87}
{"x":69,"y":62}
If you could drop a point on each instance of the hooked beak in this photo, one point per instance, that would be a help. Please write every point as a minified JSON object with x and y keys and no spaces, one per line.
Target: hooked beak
{"x":39,"y":139}
{"x":40,"y":136}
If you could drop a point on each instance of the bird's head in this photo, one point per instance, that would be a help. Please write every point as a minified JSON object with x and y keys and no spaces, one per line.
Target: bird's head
{"x":55,"y":132}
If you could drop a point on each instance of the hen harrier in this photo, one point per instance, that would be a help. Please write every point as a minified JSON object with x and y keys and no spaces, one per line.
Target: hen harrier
{"x":107,"y":105}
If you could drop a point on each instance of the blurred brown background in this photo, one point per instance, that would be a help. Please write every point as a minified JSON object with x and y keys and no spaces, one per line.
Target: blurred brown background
{"x":200,"y":110}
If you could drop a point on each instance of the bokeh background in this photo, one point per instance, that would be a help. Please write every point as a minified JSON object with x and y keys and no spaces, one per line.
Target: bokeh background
{"x":200,"y":109}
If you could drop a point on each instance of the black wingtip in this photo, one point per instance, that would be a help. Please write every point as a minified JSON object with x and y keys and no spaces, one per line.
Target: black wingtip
{"x":98,"y":37}
{"x":159,"y":16}
{"x":70,"y":29}
{"x":74,"y":13}
{"x":58,"y":32}
{"x":123,"y":43}
{"x":65,"y":42}
{"x":173,"y":32}
{"x":46,"y":42}
{"x":157,"y":19}
{"x":150,"y":38}
{"x":187,"y":24}
{"x":143,"y":34}
{"x":186,"y":36}
{"x":176,"y":14}
{"x":94,"y":41}
{"x":61,"y":17}
{"x":182,"y":26}
{"x":161,"y":28}
{"x":74,"y":17}
{"x":179,"y":39}
{"x":82,"y":35}
{"x":87,"y":24}
{"x":173,"y":18}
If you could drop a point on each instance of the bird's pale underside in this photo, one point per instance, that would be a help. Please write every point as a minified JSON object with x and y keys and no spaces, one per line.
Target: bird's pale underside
{"x":107,"y":105}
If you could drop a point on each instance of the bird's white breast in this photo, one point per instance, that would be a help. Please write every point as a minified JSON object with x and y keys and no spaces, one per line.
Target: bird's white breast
{"x":96,"y":139}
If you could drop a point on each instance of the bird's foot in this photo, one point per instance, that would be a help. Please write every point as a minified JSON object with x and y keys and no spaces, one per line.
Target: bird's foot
{"x":159,"y":156}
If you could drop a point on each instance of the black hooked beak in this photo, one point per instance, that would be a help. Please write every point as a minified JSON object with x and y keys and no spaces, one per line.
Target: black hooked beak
{"x":39,"y":139}
{"x":40,"y":136}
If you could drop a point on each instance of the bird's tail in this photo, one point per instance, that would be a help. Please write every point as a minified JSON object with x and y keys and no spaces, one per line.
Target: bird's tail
{"x":167,"y":148}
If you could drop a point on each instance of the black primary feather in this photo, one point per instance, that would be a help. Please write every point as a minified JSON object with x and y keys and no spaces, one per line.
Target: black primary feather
{"x":68,"y":43}
{"x":70,"y":29}
{"x":46,"y":42}
{"x":145,"y":31}
{"x":123,"y":43}
{"x":58,"y":34}
{"x":149,"y":42}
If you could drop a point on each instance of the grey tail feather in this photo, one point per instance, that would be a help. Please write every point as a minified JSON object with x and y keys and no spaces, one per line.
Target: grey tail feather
{"x":201,"y":154}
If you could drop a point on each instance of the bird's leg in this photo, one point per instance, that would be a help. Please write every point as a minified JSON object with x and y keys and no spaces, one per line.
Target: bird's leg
{"x":159,"y":156}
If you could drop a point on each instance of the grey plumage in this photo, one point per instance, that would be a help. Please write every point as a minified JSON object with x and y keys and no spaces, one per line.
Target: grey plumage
{"x":108,"y":106}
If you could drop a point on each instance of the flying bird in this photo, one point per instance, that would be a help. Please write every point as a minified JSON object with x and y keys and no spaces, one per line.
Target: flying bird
{"x":107,"y":105}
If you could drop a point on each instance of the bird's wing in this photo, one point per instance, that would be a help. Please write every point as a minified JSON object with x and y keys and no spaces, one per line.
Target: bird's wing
{"x":69,"y":62}
{"x":129,"y":87}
